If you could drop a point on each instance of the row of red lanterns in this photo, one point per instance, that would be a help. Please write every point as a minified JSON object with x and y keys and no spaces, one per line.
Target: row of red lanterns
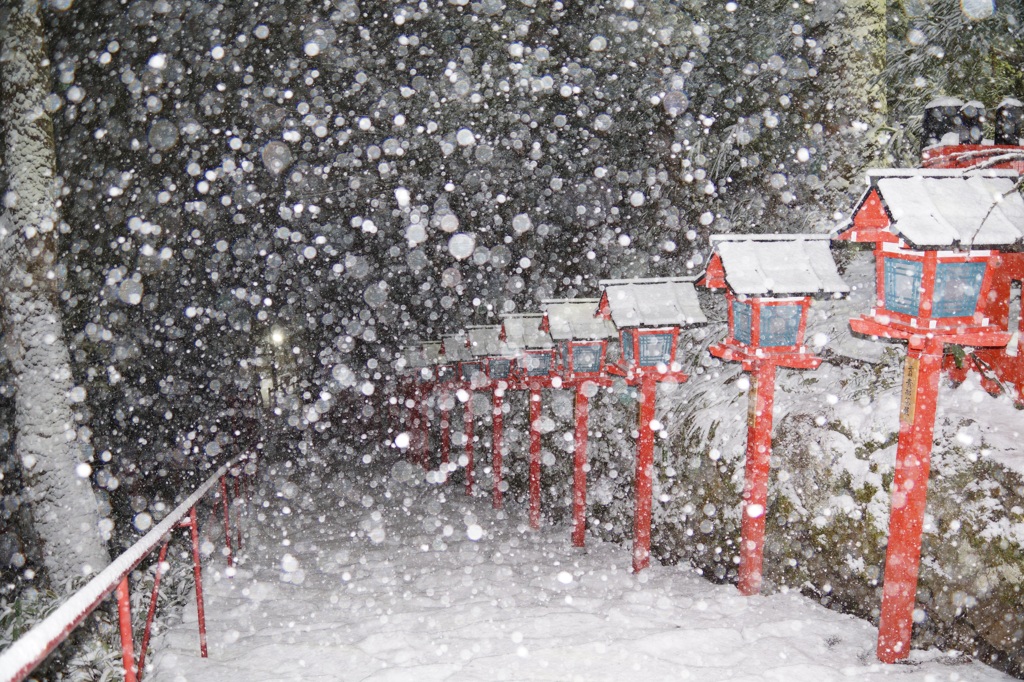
{"x":946,"y":245}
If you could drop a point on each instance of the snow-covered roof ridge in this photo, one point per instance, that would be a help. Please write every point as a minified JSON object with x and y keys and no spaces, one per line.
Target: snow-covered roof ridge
{"x":772,"y":237}
{"x":523,"y":331}
{"x":431,"y":351}
{"x":652,"y":302}
{"x":783,"y":264}
{"x":873,"y":173}
{"x":419,"y":354}
{"x":951,"y":208}
{"x":576,"y":319}
{"x":647,"y":280}
{"x":485,"y":341}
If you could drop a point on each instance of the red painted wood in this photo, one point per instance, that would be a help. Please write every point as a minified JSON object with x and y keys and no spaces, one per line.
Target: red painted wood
{"x":968,"y":336}
{"x":496,"y":443}
{"x":535,"y":412}
{"x":714,"y":276}
{"x":446,"y":442}
{"x":152,"y":606}
{"x":124,"y":619}
{"x":755,"y":483}
{"x":734,"y":351}
{"x":424,"y":431}
{"x":238,"y":526}
{"x":197,"y":573}
{"x":643,"y":487}
{"x":227,"y":519}
{"x":579,"y":478}
{"x":971,"y":155}
{"x":909,"y":492}
{"x":467,"y":421}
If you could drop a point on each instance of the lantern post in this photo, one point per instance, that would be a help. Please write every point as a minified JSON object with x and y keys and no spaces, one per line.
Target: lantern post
{"x":486,"y":345}
{"x":581,"y":343}
{"x":445,"y":399}
{"x":424,"y":361}
{"x":469,"y":373}
{"x":649,"y":314}
{"x":937,"y":238}
{"x":411,"y":390}
{"x":524,"y":335}
{"x":769,"y":281}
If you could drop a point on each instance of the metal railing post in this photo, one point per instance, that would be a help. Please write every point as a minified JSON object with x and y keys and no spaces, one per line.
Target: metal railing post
{"x":152,"y":606}
{"x":197,"y":571}
{"x":124,"y":619}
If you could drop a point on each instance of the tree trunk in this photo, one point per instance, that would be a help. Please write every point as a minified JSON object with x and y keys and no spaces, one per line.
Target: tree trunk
{"x":64,"y":507}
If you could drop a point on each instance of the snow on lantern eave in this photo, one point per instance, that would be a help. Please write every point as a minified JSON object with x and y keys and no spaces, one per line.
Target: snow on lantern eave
{"x":456,"y":348}
{"x":778,"y":265}
{"x":654,"y":302}
{"x":575,"y":319}
{"x":523,"y":332}
{"x":485,"y":341}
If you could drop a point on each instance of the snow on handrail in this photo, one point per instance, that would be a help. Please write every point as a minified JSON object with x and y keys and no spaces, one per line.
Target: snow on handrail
{"x":18,"y":660}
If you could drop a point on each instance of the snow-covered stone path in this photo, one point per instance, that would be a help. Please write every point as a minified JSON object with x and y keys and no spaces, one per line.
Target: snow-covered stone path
{"x":412,"y":581}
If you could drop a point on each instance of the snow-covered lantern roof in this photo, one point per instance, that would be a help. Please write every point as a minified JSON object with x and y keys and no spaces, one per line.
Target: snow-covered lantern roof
{"x":485,"y":343}
{"x":423,"y":358}
{"x":580,"y":335}
{"x":936,"y":235}
{"x":649,"y":314}
{"x":458,"y":355}
{"x":525,"y":336}
{"x":769,"y":282}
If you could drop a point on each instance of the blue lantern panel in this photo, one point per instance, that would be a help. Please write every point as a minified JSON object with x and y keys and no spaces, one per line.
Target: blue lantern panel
{"x":627,"y":346}
{"x":469,"y":369}
{"x":538,"y":365}
{"x":655,"y":348}
{"x":903,"y":286}
{"x":957,"y":287}
{"x":563,"y":349}
{"x":780,"y":325}
{"x":586,"y":358}
{"x":500,"y":369}
{"x":741,"y":321}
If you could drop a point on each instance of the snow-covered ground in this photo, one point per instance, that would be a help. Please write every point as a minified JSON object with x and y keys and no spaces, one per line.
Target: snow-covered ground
{"x":408,"y":580}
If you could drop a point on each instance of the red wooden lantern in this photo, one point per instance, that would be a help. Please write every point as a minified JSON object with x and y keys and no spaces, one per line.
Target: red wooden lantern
{"x":937,"y":236}
{"x":485,"y":344}
{"x":998,"y":368}
{"x":581,"y":341}
{"x":534,"y":370}
{"x":769,"y":281}
{"x":648,"y":314}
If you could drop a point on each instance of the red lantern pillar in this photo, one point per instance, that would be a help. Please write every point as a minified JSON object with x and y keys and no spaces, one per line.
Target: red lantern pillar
{"x":755,"y":482}
{"x":644,"y":472}
{"x":424,"y":443}
{"x":909,"y":492}
{"x":579,"y":479}
{"x":535,"y":405}
{"x":446,"y":438}
{"x":496,"y":443}
{"x":467,"y":418}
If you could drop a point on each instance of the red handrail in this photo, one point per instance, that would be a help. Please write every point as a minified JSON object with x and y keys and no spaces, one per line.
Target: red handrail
{"x":22,"y":657}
